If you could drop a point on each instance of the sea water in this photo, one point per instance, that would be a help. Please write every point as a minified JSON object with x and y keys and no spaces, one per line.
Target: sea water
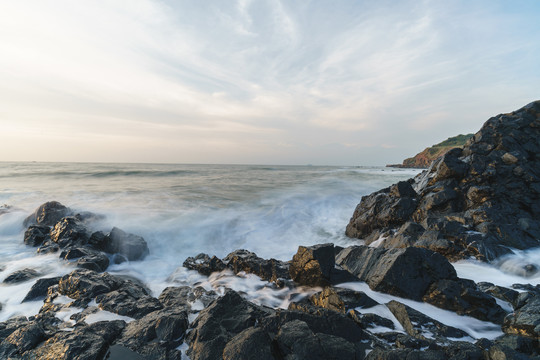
{"x":183,"y":210}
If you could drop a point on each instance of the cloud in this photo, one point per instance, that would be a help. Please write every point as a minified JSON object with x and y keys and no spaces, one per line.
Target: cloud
{"x":158,"y":75}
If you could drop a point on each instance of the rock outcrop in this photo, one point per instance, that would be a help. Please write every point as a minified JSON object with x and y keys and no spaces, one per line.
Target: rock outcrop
{"x":478,"y":201}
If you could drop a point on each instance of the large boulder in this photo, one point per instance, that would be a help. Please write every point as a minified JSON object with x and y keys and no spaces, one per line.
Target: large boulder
{"x":219,"y":323}
{"x":406,"y":272}
{"x":69,"y":231}
{"x":313,"y":265}
{"x":490,"y":188}
{"x":47,"y":214}
{"x":133,"y":247}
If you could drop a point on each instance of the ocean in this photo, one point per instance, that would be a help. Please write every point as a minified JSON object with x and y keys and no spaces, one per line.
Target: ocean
{"x":183,"y":210}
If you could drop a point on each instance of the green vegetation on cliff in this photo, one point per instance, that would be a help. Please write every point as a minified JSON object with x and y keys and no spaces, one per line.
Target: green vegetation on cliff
{"x":424,"y":158}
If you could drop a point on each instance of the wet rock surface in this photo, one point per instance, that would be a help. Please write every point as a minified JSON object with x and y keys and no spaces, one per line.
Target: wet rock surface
{"x":477,"y":201}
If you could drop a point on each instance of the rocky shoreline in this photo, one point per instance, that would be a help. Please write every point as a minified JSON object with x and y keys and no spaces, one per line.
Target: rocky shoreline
{"x":480,"y":201}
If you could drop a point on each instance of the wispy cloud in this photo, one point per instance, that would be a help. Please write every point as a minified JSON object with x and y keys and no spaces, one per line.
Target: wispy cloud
{"x":279,"y":79}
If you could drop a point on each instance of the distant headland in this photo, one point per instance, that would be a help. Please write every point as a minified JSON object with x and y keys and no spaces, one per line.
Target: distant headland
{"x":423,"y":159}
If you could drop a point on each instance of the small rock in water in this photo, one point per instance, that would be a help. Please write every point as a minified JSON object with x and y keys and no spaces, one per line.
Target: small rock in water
{"x":21,"y":275}
{"x":204,"y":264}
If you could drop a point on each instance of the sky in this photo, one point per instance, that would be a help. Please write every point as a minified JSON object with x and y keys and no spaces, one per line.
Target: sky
{"x":257,"y":82}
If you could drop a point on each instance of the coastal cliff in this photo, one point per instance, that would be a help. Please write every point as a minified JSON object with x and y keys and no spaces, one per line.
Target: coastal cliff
{"x":423,"y":159}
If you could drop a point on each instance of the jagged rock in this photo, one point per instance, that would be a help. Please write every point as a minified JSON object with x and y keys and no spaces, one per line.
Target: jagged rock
{"x":521,"y":344}
{"x":370,"y":320}
{"x":313,"y":265}
{"x":87,"y":284}
{"x":40,"y":288}
{"x":35,"y":235}
{"x":419,"y":325}
{"x":525,"y":320}
{"x":20,"y":276}
{"x":133,"y":247}
{"x":99,"y":241}
{"x":163,"y":327}
{"x":499,"y":292}
{"x":47,"y":214}
{"x":183,"y":296}
{"x":247,"y":261}
{"x":253,"y":342}
{"x":464,"y":298}
{"x":219,"y":323}
{"x":119,"y":352}
{"x":86,"y":343}
{"x":296,"y":340}
{"x":454,"y":351}
{"x":129,"y":300}
{"x":69,"y":232}
{"x":21,"y":340}
{"x":87,"y":258}
{"x":492,"y":186}
{"x":204,"y":264}
{"x":48,"y":247}
{"x":322,"y":321}
{"x":341,"y":300}
{"x":384,"y":209}
{"x":404,"y":272}
{"x":501,"y":352}
{"x":9,"y":326}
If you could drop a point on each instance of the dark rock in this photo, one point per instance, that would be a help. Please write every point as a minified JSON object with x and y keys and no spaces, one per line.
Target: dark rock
{"x":522,"y":344}
{"x":492,"y":186}
{"x":183,"y":296}
{"x":313,"y":265}
{"x":464,"y":298}
{"x":402,"y":272}
{"x":87,"y":284}
{"x":386,"y":208}
{"x":133,"y":247}
{"x":88,"y":258}
{"x":69,"y":232}
{"x":9,"y":326}
{"x":204,"y":264}
{"x":86,"y":343}
{"x":130,"y":299}
{"x":249,"y":262}
{"x":21,"y":340}
{"x":99,"y":241}
{"x":370,"y":320}
{"x":296,"y":340}
{"x":47,"y":214}
{"x":20,"y":276}
{"x":119,"y":352}
{"x":40,"y":288}
{"x":501,"y":352}
{"x":35,"y":235}
{"x":165,"y":327}
{"x":419,"y":325}
{"x":499,"y":292}
{"x":525,"y":320}
{"x":323,"y":321}
{"x":341,"y":300}
{"x":252,"y":342}
{"x":219,"y":323}
{"x":48,"y":247}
